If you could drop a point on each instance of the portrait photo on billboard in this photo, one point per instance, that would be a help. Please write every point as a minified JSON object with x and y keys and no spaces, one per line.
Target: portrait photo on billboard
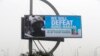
{"x":32,"y":26}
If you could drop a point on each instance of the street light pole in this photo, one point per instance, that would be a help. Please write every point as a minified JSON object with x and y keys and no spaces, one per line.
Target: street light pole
{"x":77,"y":51}
{"x":95,"y":51}
{"x":4,"y":53}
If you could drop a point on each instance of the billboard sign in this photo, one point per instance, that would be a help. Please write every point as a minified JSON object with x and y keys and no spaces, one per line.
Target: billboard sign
{"x":46,"y":26}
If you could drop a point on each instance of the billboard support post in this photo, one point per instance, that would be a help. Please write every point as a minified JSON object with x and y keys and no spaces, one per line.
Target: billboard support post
{"x":31,"y":7}
{"x":30,"y":40}
{"x":30,"y":47}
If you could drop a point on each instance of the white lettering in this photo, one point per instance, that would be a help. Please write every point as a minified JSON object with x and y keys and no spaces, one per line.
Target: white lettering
{"x":61,"y":22}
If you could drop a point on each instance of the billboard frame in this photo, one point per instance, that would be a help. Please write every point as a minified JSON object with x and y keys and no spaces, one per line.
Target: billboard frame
{"x":43,"y":37}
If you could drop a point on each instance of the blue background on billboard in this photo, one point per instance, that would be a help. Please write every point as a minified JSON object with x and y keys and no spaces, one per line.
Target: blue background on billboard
{"x":76,"y":21}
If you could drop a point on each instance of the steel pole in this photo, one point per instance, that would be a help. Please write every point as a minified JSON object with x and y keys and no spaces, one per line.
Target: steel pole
{"x":31,"y":7}
{"x":30,"y":40}
{"x":30,"y":47}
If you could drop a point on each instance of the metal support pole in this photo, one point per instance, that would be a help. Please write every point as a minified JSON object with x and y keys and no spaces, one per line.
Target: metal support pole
{"x":31,"y":7}
{"x":30,"y":40}
{"x":30,"y":47}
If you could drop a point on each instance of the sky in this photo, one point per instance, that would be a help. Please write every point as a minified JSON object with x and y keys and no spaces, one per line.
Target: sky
{"x":11,"y":12}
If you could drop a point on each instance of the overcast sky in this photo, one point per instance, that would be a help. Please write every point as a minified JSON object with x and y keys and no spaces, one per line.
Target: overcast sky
{"x":11,"y":12}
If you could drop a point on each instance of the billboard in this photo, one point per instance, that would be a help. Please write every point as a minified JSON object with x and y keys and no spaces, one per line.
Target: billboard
{"x":51,"y":26}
